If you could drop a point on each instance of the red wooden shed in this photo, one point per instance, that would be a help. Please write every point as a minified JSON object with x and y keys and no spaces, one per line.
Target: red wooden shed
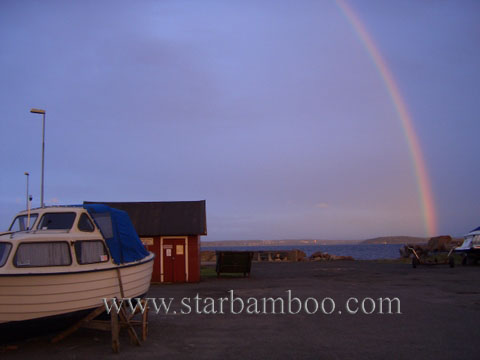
{"x":171,"y":230}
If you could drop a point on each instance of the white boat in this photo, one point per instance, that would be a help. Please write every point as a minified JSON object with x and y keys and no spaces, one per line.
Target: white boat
{"x":470,"y":248}
{"x":60,"y":260}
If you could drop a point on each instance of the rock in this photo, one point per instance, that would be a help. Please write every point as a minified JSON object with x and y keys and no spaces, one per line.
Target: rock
{"x":439,"y":243}
{"x":339,"y":257}
{"x":317,"y":254}
{"x":296,"y":255}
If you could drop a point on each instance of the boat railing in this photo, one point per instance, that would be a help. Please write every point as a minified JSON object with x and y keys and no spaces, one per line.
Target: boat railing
{"x":55,"y":231}
{"x":13,"y":233}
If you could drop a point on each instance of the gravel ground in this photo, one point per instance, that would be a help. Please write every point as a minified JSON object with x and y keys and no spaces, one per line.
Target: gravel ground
{"x":439,"y":316}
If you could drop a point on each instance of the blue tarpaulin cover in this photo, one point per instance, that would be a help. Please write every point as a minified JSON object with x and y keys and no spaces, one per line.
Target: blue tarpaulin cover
{"x":120,"y":235}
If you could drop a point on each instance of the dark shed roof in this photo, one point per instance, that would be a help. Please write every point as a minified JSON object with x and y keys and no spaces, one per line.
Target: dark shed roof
{"x":164,"y":218}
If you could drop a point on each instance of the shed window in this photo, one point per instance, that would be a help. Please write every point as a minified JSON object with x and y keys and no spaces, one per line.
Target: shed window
{"x":43,"y":254}
{"x":57,"y":221}
{"x":89,"y":252}
{"x":85,"y":224}
{"x":4,"y":251}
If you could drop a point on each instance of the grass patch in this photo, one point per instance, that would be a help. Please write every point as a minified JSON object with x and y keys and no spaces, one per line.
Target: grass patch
{"x":207,"y":272}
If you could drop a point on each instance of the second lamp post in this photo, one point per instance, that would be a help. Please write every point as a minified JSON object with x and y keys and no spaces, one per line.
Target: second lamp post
{"x":40,"y":111}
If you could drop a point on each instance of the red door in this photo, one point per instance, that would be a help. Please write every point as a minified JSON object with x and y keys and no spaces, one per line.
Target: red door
{"x":174,"y":260}
{"x":155,"y":248}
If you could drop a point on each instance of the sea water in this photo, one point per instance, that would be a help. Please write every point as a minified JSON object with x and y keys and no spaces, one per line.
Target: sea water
{"x":358,"y":251}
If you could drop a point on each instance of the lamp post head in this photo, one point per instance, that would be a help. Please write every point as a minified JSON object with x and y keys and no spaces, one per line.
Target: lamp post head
{"x":42,"y":112}
{"x":26,"y":173}
{"x":37,"y":111}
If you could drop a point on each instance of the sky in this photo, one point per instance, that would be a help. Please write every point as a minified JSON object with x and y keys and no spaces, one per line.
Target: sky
{"x":274,"y":112}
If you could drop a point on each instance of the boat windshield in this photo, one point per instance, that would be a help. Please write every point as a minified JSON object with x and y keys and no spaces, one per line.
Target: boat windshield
{"x":57,"y":221}
{"x":22,"y":223}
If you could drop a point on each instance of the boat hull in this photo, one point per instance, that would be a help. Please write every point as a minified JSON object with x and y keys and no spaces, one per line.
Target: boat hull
{"x":41,"y":295}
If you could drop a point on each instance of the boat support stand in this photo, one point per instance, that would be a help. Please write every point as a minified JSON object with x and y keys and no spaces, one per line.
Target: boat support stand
{"x":118,"y":320}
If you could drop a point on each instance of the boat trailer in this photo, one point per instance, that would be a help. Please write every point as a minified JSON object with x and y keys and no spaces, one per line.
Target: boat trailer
{"x":423,"y":258}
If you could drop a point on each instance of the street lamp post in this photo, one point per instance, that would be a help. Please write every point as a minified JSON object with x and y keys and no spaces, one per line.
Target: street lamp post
{"x":27,"y":175}
{"x":40,"y":111}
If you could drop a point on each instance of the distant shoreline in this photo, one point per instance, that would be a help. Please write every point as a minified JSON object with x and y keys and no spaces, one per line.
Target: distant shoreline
{"x":378,"y":240}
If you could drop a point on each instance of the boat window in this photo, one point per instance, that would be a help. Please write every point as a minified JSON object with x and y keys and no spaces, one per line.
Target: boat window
{"x":85,"y":224}
{"x":4,"y":251}
{"x":22,"y":223}
{"x":57,"y":221}
{"x":104,"y":222}
{"x":91,"y":251}
{"x":43,"y":254}
{"x":476,"y":240}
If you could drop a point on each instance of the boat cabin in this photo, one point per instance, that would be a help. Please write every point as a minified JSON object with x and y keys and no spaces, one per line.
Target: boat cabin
{"x":67,"y":238}
{"x":54,"y":236}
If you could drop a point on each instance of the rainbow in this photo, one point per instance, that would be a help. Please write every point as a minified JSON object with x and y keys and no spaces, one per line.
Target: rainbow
{"x":423,"y":182}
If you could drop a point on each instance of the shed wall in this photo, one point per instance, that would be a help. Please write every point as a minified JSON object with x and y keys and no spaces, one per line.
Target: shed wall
{"x":172,"y":267}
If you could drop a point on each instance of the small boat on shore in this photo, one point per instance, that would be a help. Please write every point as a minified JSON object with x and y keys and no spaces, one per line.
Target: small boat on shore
{"x":60,"y":260}
{"x":470,"y":248}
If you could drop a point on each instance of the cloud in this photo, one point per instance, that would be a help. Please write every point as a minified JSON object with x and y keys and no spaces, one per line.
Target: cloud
{"x":321,"y":205}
